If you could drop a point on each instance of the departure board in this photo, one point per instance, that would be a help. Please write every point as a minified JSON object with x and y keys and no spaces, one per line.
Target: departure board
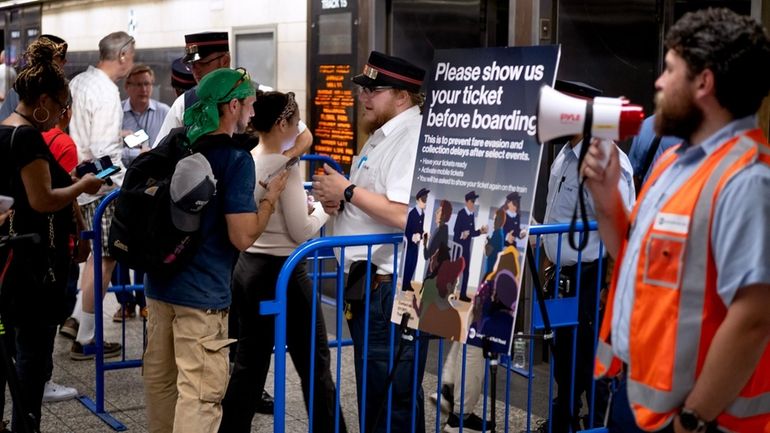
{"x":332,"y":64}
{"x":334,"y":105}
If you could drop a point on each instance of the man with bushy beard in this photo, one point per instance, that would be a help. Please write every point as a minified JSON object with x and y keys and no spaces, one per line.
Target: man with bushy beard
{"x":687,"y":329}
{"x":375,"y":200}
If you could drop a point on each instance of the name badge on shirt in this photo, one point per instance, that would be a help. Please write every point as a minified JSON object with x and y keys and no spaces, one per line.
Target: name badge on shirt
{"x":673,"y":223}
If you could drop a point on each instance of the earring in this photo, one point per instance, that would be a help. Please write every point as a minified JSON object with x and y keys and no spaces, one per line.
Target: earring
{"x":47,"y":115}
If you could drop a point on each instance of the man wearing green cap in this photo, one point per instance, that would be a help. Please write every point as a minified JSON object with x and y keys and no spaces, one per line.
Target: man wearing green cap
{"x":186,"y":362}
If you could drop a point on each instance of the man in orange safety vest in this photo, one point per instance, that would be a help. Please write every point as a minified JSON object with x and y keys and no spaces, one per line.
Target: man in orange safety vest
{"x":687,"y":324}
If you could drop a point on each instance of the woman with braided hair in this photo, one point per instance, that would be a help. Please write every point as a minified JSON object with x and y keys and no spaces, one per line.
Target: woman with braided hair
{"x":34,"y":284}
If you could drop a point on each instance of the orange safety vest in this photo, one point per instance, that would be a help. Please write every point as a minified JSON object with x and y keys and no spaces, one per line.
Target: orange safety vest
{"x":676,"y":310}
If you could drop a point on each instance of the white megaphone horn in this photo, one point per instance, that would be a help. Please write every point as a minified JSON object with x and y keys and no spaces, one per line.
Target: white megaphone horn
{"x":560,"y":115}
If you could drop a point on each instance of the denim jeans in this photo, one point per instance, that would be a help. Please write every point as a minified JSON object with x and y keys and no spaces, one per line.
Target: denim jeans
{"x":380,"y":307}
{"x":621,"y":418}
{"x":136,"y":297}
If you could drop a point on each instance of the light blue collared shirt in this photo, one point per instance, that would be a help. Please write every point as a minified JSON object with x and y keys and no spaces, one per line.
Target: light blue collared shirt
{"x":740,"y":245}
{"x":151,"y":120}
{"x":563,"y":195}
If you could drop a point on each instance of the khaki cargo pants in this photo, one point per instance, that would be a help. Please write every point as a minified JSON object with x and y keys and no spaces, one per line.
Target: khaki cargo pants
{"x":185,"y":368}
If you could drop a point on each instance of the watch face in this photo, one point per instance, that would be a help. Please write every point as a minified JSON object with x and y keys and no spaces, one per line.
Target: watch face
{"x":349,"y":193}
{"x":688,"y":421}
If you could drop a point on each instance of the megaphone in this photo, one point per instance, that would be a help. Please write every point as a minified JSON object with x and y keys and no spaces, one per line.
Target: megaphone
{"x":560,"y":115}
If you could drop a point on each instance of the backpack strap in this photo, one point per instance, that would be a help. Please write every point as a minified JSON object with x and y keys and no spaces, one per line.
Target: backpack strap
{"x":190,"y":97}
{"x":646,"y":163}
{"x":650,"y":155}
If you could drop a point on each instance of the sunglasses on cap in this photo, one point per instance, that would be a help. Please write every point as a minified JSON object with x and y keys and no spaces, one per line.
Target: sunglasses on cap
{"x":244,"y":77}
{"x":205,"y":62}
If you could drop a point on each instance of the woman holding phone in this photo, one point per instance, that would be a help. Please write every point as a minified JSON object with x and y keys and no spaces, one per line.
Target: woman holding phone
{"x":276,"y":118}
{"x":34,"y":285}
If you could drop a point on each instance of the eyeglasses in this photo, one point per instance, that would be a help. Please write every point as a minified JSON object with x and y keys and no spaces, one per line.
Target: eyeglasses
{"x":142,"y":84}
{"x":244,"y":77}
{"x":372,"y":91}
{"x":206,"y":62}
{"x":64,"y":106}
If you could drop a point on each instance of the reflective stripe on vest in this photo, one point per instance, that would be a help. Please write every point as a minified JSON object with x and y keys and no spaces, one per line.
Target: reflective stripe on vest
{"x":672,"y":287}
{"x":606,"y":364}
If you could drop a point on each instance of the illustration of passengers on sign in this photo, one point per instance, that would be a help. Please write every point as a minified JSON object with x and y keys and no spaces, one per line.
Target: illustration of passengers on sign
{"x":472,"y":193}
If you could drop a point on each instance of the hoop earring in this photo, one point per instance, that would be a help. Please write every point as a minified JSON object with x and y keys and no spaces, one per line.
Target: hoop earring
{"x":47,"y":115}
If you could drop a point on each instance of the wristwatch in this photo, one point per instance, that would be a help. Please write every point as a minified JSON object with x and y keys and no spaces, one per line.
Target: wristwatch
{"x":349,"y":192}
{"x":690,"y":420}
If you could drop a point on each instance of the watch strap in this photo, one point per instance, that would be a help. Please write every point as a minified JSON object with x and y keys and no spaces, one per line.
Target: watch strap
{"x":691,"y":421}
{"x":349,"y":192}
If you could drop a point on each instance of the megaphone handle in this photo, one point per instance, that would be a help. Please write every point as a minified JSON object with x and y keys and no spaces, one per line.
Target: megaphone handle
{"x":583,"y":241}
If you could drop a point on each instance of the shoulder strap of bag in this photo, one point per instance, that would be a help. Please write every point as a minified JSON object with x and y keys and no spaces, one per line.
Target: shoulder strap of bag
{"x":647,"y":163}
{"x":650,"y":156}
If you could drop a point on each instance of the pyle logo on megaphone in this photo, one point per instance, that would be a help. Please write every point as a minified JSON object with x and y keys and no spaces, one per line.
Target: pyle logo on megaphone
{"x":561,"y":115}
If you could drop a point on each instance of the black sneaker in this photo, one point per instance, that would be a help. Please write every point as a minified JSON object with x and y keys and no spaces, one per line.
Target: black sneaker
{"x":265,"y":405}
{"x":471,"y":424}
{"x":80,"y":352}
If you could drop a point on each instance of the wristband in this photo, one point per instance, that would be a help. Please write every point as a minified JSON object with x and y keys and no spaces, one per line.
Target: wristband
{"x":349,"y":192}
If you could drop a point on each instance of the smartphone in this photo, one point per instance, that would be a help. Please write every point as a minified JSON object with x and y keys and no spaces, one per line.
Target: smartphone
{"x":107,"y":172}
{"x":94,"y":166}
{"x":5,"y":203}
{"x":289,"y":164}
{"x":136,"y":139}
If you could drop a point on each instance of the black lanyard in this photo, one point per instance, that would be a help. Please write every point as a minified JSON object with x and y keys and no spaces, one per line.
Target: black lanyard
{"x":146,"y":116}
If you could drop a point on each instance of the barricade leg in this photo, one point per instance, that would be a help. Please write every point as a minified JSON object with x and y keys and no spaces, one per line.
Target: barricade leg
{"x":299,"y":336}
{"x":97,"y":404}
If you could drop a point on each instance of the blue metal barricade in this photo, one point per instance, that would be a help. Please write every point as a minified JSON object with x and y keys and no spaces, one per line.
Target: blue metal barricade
{"x":97,"y":404}
{"x":278,"y":308}
{"x":563,"y":313}
{"x":316,"y":161}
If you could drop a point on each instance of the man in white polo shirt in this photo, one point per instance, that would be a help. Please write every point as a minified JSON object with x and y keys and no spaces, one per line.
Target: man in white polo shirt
{"x":375,"y":200}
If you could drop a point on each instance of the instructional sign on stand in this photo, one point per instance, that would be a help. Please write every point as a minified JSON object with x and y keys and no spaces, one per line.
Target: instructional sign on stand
{"x":472,"y":193}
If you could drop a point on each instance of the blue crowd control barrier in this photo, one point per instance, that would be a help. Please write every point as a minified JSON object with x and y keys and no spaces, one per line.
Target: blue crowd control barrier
{"x":323,"y":159}
{"x":97,"y":404}
{"x":278,"y":308}
{"x":316,"y":161}
{"x":563,"y":313}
